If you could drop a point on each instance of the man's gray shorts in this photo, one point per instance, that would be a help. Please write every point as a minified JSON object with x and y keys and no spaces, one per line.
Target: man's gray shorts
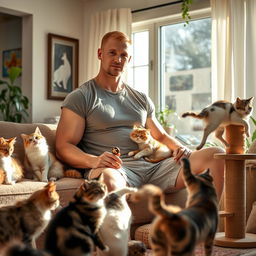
{"x":139,"y":172}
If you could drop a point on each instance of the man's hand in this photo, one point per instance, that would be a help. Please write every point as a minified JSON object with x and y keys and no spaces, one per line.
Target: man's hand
{"x":108,"y":159}
{"x":181,"y":152}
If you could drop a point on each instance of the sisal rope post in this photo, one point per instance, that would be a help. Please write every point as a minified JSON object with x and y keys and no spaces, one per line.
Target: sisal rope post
{"x":234,"y":191}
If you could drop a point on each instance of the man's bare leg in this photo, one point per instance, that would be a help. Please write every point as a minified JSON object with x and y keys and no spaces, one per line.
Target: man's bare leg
{"x":112,"y":178}
{"x":200,"y":161}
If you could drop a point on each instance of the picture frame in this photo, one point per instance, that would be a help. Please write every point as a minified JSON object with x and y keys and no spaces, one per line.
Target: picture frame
{"x":11,"y":58}
{"x":62,"y":66}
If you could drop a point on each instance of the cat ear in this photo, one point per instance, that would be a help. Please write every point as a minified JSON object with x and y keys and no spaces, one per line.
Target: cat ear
{"x":23,"y":136}
{"x":250,"y":99}
{"x":100,"y":177}
{"x":238,"y":99}
{"x":50,"y":188}
{"x":37,"y":131}
{"x":11,"y":140}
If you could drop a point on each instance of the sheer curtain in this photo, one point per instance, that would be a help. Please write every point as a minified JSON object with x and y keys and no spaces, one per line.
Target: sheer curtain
{"x":233,"y":48}
{"x":101,"y":23}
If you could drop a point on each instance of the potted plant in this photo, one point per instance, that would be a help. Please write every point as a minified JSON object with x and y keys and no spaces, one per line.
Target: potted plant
{"x":13,"y":104}
{"x":163,"y":118}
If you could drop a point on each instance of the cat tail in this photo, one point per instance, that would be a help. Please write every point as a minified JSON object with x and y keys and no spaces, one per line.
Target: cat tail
{"x":16,"y":248}
{"x":72,"y":173}
{"x":188,"y":175}
{"x":157,"y":204}
{"x":125,"y":190}
{"x":203,"y":114}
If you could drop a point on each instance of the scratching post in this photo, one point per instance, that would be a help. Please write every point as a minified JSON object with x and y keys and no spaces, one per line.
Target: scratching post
{"x":235,"y":192}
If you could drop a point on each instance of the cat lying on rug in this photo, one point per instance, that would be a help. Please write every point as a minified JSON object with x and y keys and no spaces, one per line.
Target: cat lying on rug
{"x":39,"y":162}
{"x":151,"y":149}
{"x":177,"y":231}
{"x":222,"y":113}
{"x":11,"y":169}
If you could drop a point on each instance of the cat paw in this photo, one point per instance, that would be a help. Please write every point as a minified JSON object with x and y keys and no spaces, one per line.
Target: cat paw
{"x":131,"y":153}
{"x":44,"y":180}
{"x":52,"y":179}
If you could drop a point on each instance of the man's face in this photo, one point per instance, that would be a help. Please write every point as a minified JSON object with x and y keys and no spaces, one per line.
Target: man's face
{"x":114,"y":56}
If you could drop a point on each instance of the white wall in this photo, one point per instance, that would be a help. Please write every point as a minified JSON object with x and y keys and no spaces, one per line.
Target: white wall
{"x":63,"y":17}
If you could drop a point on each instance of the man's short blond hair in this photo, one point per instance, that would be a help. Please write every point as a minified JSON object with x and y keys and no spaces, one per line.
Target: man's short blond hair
{"x":122,"y":37}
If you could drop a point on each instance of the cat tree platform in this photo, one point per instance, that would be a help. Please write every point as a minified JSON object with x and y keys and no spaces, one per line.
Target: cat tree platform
{"x":235,"y":192}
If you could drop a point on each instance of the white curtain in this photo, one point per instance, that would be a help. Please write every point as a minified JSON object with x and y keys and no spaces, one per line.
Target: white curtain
{"x":101,"y":23}
{"x":233,"y":49}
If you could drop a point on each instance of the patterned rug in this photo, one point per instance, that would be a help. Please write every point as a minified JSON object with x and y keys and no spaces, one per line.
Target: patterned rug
{"x":221,"y":251}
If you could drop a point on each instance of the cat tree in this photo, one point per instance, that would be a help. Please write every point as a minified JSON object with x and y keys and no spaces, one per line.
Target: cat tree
{"x":235,"y":192}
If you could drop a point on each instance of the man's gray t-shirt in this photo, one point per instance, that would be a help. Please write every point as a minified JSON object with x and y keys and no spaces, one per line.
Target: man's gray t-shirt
{"x":109,"y":116}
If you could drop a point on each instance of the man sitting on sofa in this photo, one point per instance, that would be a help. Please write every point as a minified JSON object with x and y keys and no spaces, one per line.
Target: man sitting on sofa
{"x":100,"y":115}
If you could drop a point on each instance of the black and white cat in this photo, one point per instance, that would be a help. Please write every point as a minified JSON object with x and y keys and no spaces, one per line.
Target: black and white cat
{"x":222,"y":113}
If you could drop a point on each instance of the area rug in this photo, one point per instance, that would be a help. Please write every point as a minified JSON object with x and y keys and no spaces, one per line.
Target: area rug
{"x":221,"y":251}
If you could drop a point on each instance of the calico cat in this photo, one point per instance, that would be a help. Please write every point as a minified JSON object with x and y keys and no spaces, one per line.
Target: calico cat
{"x":177,"y":231}
{"x":151,"y":149}
{"x":27,"y":219}
{"x":222,"y":113}
{"x":11,"y":169}
{"x":39,"y":162}
{"x":74,"y":229}
{"x":115,"y":230}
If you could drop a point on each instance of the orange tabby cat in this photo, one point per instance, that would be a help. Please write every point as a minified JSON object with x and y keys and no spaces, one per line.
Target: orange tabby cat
{"x":10,"y":168}
{"x":151,"y":149}
{"x":39,"y":162}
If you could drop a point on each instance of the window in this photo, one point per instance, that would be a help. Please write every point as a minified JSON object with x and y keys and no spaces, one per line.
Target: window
{"x":177,"y":66}
{"x":139,"y":65}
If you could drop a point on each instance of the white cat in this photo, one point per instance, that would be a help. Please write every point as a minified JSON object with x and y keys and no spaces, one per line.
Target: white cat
{"x":38,"y":161}
{"x":115,"y":230}
{"x":62,"y":73}
{"x":222,"y":113}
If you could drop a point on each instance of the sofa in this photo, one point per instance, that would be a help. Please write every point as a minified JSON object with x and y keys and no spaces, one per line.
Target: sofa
{"x":66,"y":187}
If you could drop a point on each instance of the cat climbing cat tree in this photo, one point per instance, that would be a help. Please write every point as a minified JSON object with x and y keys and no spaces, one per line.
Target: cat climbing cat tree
{"x":235,"y":192}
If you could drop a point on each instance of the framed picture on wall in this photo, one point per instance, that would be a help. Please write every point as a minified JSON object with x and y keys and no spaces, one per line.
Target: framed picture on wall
{"x":62,"y":66}
{"x":11,"y":58}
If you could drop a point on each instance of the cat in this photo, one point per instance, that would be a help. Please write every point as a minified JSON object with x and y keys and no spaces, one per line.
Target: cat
{"x":27,"y":219}
{"x":152,"y":150}
{"x":74,"y":229}
{"x":222,"y":113}
{"x":11,"y":169}
{"x":177,"y":231}
{"x":115,"y":230}
{"x":39,"y":163}
{"x":17,"y":248}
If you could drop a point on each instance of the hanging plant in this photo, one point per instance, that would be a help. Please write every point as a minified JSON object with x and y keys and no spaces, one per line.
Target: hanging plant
{"x":185,"y":11}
